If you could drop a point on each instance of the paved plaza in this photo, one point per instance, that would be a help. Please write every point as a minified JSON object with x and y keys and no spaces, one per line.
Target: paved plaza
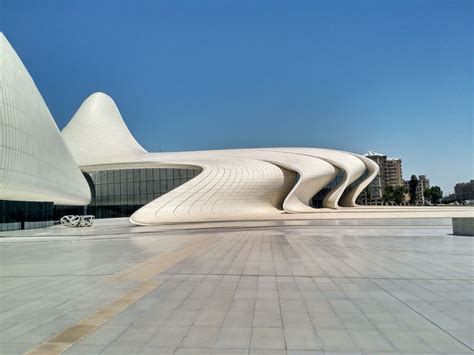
{"x":395,"y":286}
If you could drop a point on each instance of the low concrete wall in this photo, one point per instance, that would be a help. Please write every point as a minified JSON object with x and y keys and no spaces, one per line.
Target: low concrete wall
{"x":463,"y":226}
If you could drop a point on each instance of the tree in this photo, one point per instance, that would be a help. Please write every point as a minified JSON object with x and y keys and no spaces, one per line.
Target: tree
{"x":399,"y":194}
{"x":427,"y":194}
{"x":387,"y":196}
{"x":412,"y":184}
{"x":433,"y":193}
{"x":394,"y":194}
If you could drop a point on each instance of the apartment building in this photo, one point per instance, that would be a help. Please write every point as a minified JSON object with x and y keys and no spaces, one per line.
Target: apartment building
{"x":423,"y":184}
{"x":390,"y":174}
{"x":464,"y":191}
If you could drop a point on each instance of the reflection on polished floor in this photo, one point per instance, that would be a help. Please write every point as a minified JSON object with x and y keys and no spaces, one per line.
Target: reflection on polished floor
{"x":270,"y":287}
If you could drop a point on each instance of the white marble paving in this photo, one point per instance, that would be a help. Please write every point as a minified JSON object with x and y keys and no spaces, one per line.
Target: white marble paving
{"x":312,"y":288}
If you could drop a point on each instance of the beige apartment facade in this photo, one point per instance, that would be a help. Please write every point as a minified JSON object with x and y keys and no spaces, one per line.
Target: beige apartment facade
{"x":390,"y":174}
{"x":423,"y":184}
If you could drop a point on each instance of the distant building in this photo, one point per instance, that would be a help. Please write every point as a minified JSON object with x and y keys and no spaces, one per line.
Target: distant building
{"x":423,"y":184}
{"x":464,"y":191}
{"x":393,"y":172}
{"x":390,"y":174}
{"x":449,"y":198}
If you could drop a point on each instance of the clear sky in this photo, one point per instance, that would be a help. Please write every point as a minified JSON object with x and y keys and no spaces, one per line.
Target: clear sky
{"x":391,"y":76}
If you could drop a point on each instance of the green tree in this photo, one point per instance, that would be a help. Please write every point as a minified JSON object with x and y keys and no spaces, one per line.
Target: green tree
{"x":387,"y":196}
{"x":412,"y":185}
{"x":398,"y":194}
{"x":434,"y":194}
{"x":394,"y":194}
{"x":427,"y":194}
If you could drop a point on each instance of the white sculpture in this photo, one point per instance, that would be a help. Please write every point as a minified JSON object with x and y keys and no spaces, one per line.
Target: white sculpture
{"x":77,"y":221}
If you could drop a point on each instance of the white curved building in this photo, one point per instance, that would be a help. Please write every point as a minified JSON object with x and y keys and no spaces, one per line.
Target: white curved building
{"x":35,"y":163}
{"x":237,"y":183}
{"x":38,"y":163}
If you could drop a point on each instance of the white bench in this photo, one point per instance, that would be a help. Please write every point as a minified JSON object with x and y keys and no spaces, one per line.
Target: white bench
{"x":463,"y":226}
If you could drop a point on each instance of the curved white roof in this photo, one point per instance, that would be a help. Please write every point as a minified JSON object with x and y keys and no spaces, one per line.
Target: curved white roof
{"x":97,"y":133}
{"x":38,"y":163}
{"x":252,"y":182}
{"x":35,"y":163}
{"x":243,"y":182}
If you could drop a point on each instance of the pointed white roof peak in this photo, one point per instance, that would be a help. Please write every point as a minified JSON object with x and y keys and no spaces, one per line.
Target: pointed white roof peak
{"x":35,"y":163}
{"x":97,"y":132}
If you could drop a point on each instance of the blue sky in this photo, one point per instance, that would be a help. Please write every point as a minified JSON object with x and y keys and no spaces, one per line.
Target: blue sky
{"x":391,"y":76}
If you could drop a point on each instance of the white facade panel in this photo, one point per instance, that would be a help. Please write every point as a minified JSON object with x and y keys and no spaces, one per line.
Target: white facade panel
{"x":35,"y":164}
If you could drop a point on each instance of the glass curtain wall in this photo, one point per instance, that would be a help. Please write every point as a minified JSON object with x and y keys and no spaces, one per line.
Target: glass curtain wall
{"x":317,"y":201}
{"x":119,"y":193}
{"x":25,"y":214}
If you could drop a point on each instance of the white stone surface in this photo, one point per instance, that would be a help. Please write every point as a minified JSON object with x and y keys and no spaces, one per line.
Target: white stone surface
{"x":314,"y":287}
{"x":35,"y":163}
{"x":464,"y":226}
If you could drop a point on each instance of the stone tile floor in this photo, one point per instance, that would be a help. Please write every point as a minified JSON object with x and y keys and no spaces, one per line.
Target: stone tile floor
{"x":366,"y":288}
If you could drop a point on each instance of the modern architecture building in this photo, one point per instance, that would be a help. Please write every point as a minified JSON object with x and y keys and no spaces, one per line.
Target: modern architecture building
{"x":37,"y":170}
{"x":95,"y":162}
{"x":390,"y":174}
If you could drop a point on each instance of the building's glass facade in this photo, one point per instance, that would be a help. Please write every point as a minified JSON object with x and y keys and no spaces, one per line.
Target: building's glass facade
{"x":115,"y":193}
{"x":355,"y":184}
{"x":25,"y":214}
{"x":317,"y":200}
{"x":119,"y":193}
